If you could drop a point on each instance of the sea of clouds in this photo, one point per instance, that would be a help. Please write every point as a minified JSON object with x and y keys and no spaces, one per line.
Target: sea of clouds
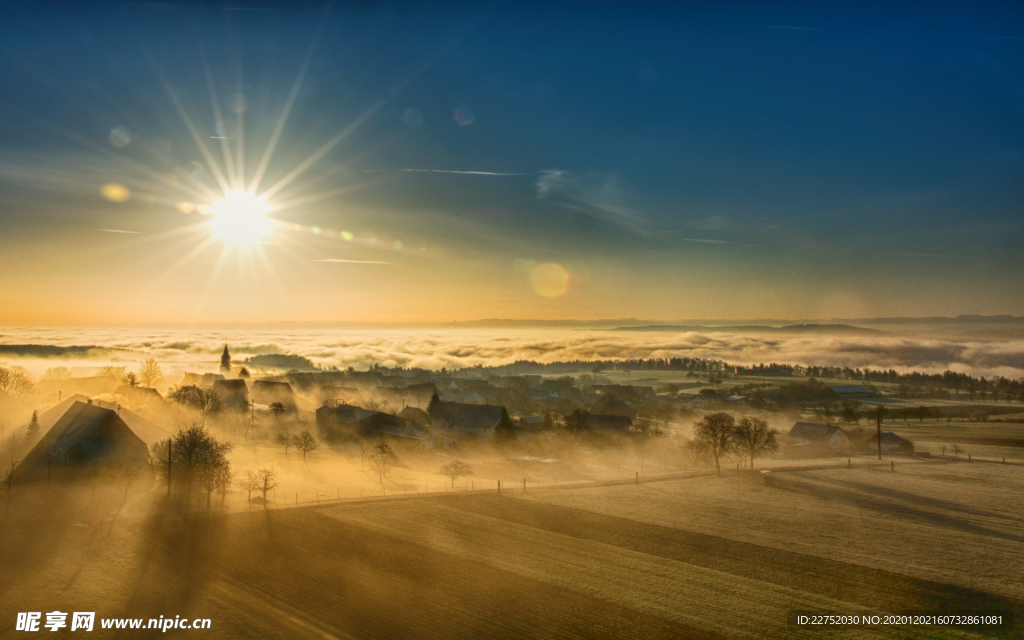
{"x":433,"y":348}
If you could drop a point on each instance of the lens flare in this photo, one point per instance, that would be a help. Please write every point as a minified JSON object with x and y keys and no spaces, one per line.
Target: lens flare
{"x":464,"y":116}
{"x":240,"y":218}
{"x":115,"y":192}
{"x":550,"y":280}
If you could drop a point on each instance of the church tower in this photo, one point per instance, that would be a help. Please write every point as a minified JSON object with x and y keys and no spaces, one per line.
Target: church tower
{"x":225,"y":362}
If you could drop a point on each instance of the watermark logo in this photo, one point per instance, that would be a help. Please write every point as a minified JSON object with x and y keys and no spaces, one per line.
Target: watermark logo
{"x":30,"y":620}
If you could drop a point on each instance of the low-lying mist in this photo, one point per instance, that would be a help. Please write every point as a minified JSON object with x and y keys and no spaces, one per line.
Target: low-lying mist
{"x":179,"y":350}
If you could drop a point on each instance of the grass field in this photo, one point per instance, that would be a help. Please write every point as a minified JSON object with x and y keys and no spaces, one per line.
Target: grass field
{"x":701,"y":557}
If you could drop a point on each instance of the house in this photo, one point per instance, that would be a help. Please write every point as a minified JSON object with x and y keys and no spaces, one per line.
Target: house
{"x":233,"y":394}
{"x":612,"y":424}
{"x":347,"y":421}
{"x":268,"y":392}
{"x":530,"y":424}
{"x":138,"y":395}
{"x":737,"y":401}
{"x":810,"y":433}
{"x":414,"y":414}
{"x":420,"y":392}
{"x":386,"y":425}
{"x":891,"y":443}
{"x":479,"y":420}
{"x":340,"y":421}
{"x":85,"y":436}
{"x":543,"y":394}
{"x":697,"y":403}
{"x":206,"y":382}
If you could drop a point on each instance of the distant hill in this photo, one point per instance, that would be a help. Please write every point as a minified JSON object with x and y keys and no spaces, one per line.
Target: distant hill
{"x":48,"y":351}
{"x":282,"y":361}
{"x":836,"y":329}
{"x":961,"y":319}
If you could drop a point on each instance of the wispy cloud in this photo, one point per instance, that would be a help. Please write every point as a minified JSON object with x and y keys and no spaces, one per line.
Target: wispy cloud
{"x":599,"y":195}
{"x":118,"y":231}
{"x":342,"y":260}
{"x":707,"y":241}
{"x":467,"y":173}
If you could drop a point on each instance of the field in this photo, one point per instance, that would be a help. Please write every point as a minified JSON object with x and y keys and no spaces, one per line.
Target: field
{"x":703,"y":556}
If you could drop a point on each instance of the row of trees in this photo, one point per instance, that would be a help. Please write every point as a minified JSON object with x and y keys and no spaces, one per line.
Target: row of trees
{"x":720,"y":433}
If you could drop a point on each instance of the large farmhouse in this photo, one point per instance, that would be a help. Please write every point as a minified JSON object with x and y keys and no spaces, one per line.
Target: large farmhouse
{"x":819,"y":434}
{"x":87,"y":435}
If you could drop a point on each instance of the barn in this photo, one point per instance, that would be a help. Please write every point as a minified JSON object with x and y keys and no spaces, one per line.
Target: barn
{"x":88,"y":435}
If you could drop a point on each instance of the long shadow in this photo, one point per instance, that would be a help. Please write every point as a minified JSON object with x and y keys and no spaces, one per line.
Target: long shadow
{"x":890,"y":508}
{"x":368,"y":584}
{"x":845,"y":581}
{"x":179,"y":550}
{"x":907,"y":496}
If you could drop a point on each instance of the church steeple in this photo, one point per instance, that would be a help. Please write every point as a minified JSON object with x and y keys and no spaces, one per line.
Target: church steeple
{"x":225,"y":361}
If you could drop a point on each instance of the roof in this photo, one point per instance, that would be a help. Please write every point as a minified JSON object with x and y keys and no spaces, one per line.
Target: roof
{"x":231,"y":386}
{"x":345,"y":413}
{"x":98,"y":428}
{"x":79,"y":422}
{"x":889,"y":437}
{"x":467,"y":415}
{"x":812,"y":431}
{"x":414,"y":414}
{"x":146,"y":430}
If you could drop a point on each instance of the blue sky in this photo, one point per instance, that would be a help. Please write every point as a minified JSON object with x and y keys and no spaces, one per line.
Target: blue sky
{"x":709,"y":160}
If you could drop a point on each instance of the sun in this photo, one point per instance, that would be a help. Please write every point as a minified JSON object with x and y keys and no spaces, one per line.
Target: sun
{"x":240,"y":218}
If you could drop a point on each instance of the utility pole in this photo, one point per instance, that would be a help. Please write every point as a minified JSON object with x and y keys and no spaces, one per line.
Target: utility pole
{"x":878,"y":421}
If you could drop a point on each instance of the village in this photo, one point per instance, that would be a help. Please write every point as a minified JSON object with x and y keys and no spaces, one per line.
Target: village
{"x":477,"y":426}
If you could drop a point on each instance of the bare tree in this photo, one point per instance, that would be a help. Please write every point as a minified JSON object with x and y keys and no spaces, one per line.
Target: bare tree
{"x":248,"y":484}
{"x":383,"y":458}
{"x":224,"y":477}
{"x":211,"y":476}
{"x":305,"y":442}
{"x":577,"y":422}
{"x":130,"y":379}
{"x":754,"y":436}
{"x":364,"y":455}
{"x":455,"y":470}
{"x":150,"y":375}
{"x":15,"y":381}
{"x":284,"y":438}
{"x":111,"y":371}
{"x":205,"y":402}
{"x":957,"y":450}
{"x":57,"y":373}
{"x":266,"y":480}
{"x":718,"y":432}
